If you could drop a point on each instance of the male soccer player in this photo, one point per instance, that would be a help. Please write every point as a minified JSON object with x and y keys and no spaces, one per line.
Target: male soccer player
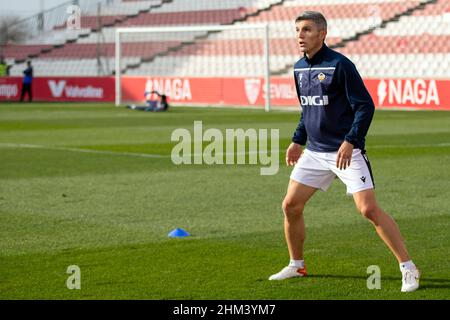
{"x":336,"y":114}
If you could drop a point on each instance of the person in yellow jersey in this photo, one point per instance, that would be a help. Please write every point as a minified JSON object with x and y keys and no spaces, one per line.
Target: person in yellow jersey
{"x":4,"y":67}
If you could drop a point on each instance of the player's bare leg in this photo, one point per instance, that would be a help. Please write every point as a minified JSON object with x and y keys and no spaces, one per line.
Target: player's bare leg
{"x":294,"y":227}
{"x":385,"y":226}
{"x":389,"y":232}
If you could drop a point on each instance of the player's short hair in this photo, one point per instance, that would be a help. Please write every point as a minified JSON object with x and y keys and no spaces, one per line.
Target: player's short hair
{"x":314,"y":16}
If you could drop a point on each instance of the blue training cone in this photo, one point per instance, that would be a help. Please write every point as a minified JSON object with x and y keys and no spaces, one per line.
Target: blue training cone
{"x":178,"y":233}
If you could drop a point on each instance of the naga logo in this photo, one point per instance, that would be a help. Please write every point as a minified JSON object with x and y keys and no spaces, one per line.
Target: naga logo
{"x":314,"y":100}
{"x":382,"y":92}
{"x":252,"y":89}
{"x":408,"y":92}
{"x":176,"y":89}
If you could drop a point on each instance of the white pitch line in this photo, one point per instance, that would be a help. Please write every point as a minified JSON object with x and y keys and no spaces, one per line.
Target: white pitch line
{"x":132,"y":154}
{"x":149,"y":155}
{"x":444,"y":144}
{"x":35,"y":146}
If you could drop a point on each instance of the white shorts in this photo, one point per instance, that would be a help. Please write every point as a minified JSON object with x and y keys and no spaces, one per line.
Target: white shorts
{"x":318,"y":170}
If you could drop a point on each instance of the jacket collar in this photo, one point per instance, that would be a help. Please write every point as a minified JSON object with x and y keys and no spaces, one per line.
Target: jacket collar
{"x":318,"y":56}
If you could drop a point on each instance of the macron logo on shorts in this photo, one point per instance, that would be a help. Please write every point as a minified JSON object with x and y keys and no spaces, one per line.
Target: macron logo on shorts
{"x":314,"y":100}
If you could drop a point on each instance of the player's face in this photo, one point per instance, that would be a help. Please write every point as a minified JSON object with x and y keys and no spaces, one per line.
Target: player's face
{"x":309,"y":37}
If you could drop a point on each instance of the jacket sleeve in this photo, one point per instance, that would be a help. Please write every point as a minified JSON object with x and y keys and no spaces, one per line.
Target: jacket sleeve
{"x":359,"y":99}
{"x":300,"y":135}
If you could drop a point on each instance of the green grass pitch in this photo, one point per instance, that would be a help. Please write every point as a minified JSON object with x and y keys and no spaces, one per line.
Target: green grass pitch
{"x":109,"y":209}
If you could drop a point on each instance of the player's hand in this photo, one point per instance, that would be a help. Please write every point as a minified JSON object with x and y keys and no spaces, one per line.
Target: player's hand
{"x":293,"y":153}
{"x":344,"y":155}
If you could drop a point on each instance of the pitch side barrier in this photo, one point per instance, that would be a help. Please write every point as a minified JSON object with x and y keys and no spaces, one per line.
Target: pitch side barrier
{"x":403,"y":94}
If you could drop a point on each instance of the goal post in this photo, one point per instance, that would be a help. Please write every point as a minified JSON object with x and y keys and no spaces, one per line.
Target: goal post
{"x":120,"y":33}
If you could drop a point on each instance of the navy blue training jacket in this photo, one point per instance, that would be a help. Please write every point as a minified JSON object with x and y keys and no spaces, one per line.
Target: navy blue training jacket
{"x":336,"y":105}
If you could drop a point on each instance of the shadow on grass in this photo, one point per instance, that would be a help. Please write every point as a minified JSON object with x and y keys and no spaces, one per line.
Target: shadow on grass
{"x":364,"y":277}
{"x":437,"y":283}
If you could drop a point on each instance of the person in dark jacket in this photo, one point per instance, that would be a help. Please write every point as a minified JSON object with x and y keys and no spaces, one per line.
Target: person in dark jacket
{"x":27,"y":83}
{"x":337,"y":111}
{"x":152,"y":105}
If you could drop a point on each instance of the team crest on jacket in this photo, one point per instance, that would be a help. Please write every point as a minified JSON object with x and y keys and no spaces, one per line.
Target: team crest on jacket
{"x":321,"y":77}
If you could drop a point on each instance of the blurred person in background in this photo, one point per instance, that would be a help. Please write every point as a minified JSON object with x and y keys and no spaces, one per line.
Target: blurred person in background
{"x":152,"y":105}
{"x":27,"y":83}
{"x":4,"y":67}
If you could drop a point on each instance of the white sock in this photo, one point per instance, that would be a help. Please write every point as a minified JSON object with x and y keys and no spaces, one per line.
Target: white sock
{"x":297,"y":263}
{"x":407,"y":265}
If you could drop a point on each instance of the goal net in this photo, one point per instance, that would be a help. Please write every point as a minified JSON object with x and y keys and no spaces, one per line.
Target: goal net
{"x":212,"y":65}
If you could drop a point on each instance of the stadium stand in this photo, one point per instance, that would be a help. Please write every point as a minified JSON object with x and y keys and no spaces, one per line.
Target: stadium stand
{"x":401,"y":38}
{"x":414,"y":45}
